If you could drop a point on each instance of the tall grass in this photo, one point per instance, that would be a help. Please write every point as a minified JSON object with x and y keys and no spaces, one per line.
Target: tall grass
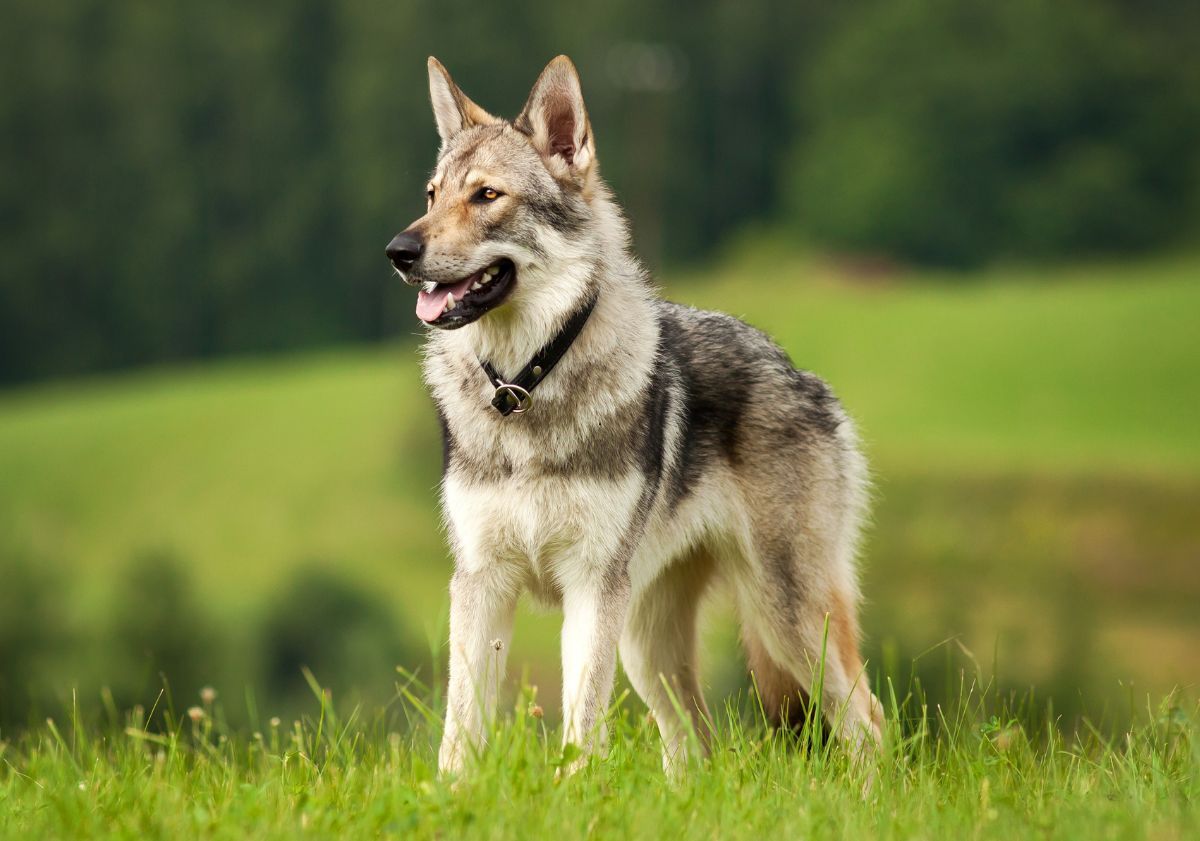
{"x":985,"y":765}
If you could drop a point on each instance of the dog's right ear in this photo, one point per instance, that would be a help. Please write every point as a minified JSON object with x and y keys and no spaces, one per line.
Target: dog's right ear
{"x":452,"y":109}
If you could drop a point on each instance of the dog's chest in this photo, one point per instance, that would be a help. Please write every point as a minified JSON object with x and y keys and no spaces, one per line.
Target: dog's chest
{"x":553,"y":491}
{"x":556,"y":527}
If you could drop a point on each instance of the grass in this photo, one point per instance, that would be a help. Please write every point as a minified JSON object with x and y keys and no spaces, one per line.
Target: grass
{"x":1036,"y":444}
{"x":985,"y":769}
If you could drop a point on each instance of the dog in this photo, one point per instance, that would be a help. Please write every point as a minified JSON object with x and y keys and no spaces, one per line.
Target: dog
{"x":616,"y":454}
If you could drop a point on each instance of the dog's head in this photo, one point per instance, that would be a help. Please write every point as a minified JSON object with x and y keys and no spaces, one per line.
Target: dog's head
{"x":505,"y":201}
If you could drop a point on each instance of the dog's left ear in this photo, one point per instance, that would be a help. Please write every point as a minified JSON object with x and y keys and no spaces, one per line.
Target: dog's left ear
{"x":452,"y":109}
{"x":556,"y":119}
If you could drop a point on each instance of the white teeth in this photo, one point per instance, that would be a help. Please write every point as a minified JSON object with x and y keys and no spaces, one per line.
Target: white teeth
{"x":491,"y":271}
{"x":450,"y":301}
{"x":476,"y":285}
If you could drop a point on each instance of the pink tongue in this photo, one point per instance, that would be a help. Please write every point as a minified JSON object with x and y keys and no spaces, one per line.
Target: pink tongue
{"x":430,"y":305}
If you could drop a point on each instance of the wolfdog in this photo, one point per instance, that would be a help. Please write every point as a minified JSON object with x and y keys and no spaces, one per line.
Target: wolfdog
{"x":617,"y":454}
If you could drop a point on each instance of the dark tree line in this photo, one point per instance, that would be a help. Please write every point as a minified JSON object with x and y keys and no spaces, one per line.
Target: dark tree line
{"x":188,"y":180}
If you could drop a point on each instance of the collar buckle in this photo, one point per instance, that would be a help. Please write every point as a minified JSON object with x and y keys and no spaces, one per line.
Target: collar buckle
{"x":514,"y":398}
{"x":512,"y":395}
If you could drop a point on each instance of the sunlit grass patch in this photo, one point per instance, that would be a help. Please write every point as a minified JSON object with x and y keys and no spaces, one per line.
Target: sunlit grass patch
{"x":984,"y":766}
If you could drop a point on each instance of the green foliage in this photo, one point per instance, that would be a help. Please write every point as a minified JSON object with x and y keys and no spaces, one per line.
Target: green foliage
{"x":158,"y":644}
{"x":160,"y":635}
{"x":182,"y":182}
{"x":952,"y":131}
{"x":345,"y":635}
{"x":31,"y":635}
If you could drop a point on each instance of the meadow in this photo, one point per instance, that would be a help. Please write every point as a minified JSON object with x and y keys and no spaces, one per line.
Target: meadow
{"x":1035,"y":439}
{"x":961,"y":774}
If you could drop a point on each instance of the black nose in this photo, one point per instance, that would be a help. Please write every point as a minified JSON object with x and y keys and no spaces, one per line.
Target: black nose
{"x":404,"y":250}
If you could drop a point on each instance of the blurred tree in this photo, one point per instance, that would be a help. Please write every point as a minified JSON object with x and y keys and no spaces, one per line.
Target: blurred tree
{"x":347,"y":637}
{"x":32,"y":638}
{"x":182,"y":181}
{"x":160,"y":632}
{"x":950,"y":131}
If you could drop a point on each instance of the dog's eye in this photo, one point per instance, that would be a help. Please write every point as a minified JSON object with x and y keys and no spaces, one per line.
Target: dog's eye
{"x":429,"y":195}
{"x":487,"y":194}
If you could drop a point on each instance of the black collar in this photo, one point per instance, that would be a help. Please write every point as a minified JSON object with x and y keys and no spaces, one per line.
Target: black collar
{"x":513,"y":396}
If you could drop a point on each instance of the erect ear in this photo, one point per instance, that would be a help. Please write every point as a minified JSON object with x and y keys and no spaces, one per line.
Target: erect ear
{"x":452,"y":109}
{"x":557,"y":120}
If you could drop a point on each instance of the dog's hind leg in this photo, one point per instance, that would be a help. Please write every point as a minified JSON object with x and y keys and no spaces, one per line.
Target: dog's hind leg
{"x":785,"y":658}
{"x":658,"y":652}
{"x":800,"y":628}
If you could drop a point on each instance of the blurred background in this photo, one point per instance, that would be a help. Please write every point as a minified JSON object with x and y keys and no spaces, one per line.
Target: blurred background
{"x":980,"y":221}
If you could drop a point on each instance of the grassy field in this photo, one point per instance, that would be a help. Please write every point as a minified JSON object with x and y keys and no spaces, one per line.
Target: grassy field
{"x":955,"y":775}
{"x":1036,"y":445}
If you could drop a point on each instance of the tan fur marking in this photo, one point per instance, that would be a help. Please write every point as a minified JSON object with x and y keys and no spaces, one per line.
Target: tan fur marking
{"x":843,"y":635}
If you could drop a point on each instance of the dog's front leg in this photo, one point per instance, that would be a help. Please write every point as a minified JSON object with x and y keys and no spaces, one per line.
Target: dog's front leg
{"x":594,"y":613}
{"x":482,"y":605}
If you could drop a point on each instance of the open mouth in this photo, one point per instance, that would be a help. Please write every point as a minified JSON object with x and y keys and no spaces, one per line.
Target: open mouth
{"x":451,"y":305}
